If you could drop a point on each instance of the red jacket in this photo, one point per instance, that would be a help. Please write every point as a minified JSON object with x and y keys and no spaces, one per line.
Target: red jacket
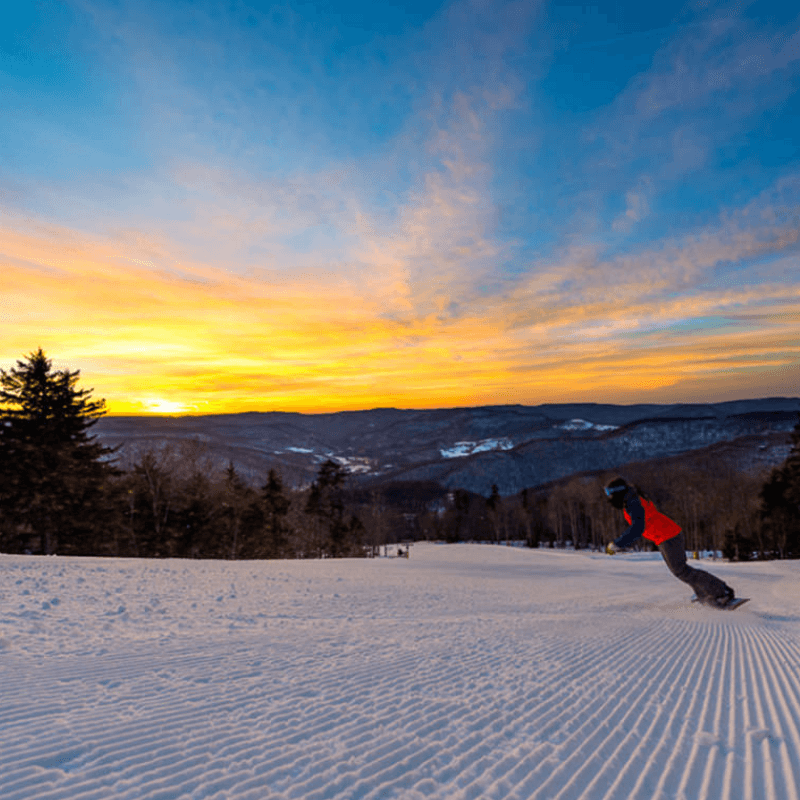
{"x":658,"y":527}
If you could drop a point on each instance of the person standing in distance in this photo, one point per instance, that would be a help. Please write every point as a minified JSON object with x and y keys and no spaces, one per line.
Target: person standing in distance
{"x":644,"y":519}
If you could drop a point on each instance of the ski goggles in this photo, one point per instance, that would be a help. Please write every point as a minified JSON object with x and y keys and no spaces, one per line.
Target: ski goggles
{"x":611,"y":492}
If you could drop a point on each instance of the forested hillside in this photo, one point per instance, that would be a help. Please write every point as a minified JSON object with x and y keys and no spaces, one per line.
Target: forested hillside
{"x":63,"y":491}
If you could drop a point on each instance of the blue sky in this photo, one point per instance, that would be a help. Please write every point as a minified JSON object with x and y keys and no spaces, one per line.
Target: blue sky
{"x":339,"y":205}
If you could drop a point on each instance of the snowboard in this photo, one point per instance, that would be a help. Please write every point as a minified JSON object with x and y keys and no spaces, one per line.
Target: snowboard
{"x":732,"y":606}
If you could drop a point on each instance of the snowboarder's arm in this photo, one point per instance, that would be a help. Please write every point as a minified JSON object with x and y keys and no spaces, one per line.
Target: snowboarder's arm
{"x":635,"y":511}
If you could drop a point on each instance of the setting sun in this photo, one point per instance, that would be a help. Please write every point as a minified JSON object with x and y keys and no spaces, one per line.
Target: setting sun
{"x":158,"y":406}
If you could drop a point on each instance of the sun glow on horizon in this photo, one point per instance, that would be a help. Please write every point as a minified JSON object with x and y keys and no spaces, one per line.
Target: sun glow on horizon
{"x":166,"y":407}
{"x":207,"y":343}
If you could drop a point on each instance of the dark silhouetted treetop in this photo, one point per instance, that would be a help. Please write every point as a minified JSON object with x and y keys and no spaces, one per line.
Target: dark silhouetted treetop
{"x":52,"y":472}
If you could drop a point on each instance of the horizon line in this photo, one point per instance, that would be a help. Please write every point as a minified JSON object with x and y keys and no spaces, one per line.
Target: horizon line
{"x":183,"y":415}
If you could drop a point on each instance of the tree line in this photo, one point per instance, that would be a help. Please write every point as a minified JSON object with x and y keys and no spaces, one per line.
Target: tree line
{"x":739,"y":514}
{"x":61,"y":491}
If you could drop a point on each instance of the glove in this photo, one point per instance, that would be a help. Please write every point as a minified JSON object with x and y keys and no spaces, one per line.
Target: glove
{"x":611,"y":549}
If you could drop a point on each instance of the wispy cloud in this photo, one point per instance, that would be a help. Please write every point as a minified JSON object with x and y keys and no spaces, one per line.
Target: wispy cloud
{"x":253,"y":261}
{"x":572,"y":327}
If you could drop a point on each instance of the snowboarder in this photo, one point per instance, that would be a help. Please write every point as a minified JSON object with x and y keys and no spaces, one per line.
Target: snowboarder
{"x":644,"y":519}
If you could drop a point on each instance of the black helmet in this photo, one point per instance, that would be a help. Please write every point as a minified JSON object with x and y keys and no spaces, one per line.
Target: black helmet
{"x":616,"y":491}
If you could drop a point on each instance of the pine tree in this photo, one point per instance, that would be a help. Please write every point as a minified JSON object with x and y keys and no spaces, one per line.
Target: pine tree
{"x":54,"y":476}
{"x":456,"y":519}
{"x":493,"y":505}
{"x":276,"y":506}
{"x":780,"y":508}
{"x":194,"y":520}
{"x":326,"y":502}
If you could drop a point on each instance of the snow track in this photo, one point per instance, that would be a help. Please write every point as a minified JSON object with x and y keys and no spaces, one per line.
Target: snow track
{"x":464,"y":672}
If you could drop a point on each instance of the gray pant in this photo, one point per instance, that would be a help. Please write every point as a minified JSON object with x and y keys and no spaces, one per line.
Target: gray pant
{"x":705,"y":585}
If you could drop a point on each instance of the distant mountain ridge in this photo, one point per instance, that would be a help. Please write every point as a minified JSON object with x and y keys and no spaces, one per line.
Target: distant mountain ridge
{"x":513,"y":447}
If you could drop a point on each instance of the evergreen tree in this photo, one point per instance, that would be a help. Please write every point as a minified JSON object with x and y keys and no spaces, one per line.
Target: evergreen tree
{"x":275,"y":504}
{"x":780,"y":508}
{"x":194,"y":520}
{"x":326,"y":502}
{"x":53,"y":475}
{"x":456,"y":520}
{"x":493,"y":505}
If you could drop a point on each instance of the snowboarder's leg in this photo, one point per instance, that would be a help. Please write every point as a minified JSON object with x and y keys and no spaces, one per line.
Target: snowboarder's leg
{"x":706,"y":586}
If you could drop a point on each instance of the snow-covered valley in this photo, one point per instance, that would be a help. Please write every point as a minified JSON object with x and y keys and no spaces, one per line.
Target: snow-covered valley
{"x":512,"y":447}
{"x":466,"y":671}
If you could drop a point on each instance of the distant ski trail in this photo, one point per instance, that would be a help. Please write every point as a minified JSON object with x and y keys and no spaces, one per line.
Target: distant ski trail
{"x":651,"y":704}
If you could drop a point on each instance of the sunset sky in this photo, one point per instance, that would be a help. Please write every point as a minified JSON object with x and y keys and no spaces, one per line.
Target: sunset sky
{"x":316,"y":206}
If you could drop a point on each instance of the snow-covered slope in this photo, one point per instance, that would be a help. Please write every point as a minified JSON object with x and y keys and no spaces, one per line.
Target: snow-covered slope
{"x":463,"y":449}
{"x":465,"y":671}
{"x":584,"y":425}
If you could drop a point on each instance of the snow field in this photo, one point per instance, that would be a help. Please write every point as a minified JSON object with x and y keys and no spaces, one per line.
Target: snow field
{"x":467,"y":671}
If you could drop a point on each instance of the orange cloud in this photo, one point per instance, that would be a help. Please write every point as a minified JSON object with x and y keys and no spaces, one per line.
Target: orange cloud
{"x":403,"y":316}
